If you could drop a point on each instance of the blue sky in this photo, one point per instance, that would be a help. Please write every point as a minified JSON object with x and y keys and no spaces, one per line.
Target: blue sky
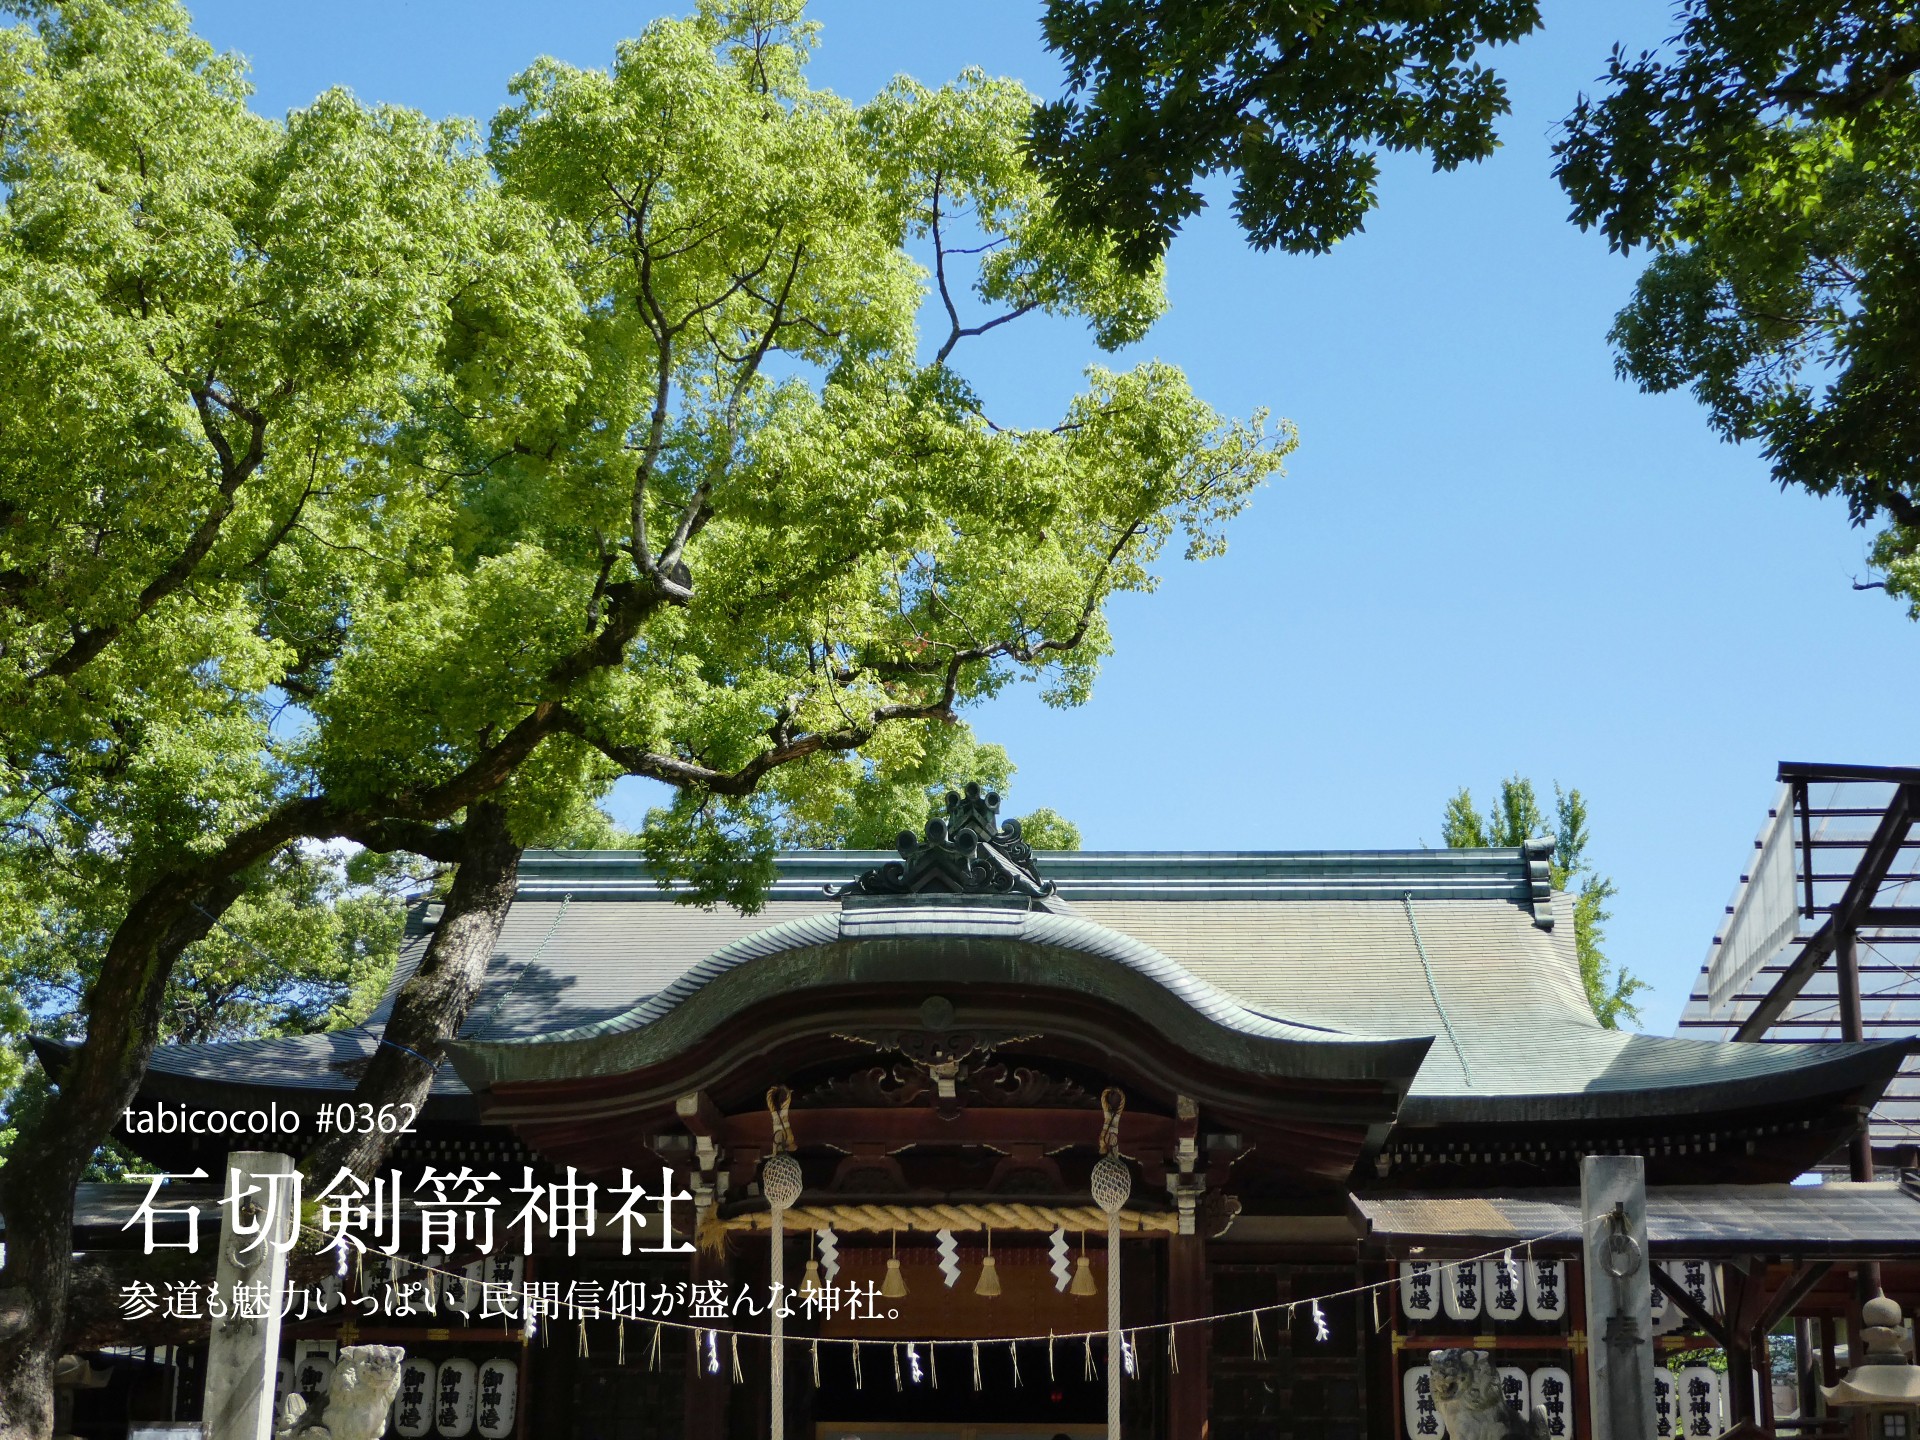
{"x":1489,"y":555}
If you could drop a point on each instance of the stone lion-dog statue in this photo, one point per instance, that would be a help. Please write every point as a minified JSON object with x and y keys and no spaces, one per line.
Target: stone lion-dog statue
{"x":365,"y":1379}
{"x":1466,"y":1390}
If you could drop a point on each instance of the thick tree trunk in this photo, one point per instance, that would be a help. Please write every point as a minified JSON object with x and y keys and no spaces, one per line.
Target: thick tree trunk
{"x":47,"y":1160}
{"x":432,"y":1006}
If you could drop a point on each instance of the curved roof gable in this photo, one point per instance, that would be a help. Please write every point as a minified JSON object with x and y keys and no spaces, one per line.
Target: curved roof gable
{"x":949,"y":945}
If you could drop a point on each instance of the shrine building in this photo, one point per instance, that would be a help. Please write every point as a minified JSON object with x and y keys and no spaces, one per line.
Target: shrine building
{"x":1326,"y":1078}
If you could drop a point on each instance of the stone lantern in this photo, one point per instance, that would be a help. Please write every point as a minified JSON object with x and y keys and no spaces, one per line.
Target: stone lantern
{"x":1881,"y":1391}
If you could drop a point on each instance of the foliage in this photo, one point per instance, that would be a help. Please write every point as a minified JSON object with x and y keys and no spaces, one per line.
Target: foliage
{"x":1769,"y":156}
{"x":1517,"y":817}
{"x":356,"y":471}
{"x":870,"y":806}
{"x":301,"y":949}
{"x":607,"y":449}
{"x":1295,"y":99}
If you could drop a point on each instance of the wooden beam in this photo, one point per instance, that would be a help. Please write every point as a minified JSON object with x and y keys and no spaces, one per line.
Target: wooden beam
{"x":892,"y":1128}
{"x":1796,"y":1288}
{"x":1677,"y":1293}
{"x":699,"y":1114}
{"x":1813,"y":954}
{"x":1901,"y":917}
{"x":1847,"y":915}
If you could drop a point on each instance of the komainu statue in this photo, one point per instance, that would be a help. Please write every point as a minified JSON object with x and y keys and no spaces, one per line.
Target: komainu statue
{"x":1466,"y":1389}
{"x":365,"y":1379}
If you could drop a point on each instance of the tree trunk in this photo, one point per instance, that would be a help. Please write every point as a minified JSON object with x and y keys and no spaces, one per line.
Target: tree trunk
{"x":432,"y":1006}
{"x":123,"y":1007}
{"x":429,"y":1009}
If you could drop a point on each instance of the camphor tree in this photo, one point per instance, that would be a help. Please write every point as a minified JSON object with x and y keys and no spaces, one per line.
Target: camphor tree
{"x":1769,"y":157}
{"x":365,"y":481}
{"x":1293,"y":97}
{"x":1516,"y":818}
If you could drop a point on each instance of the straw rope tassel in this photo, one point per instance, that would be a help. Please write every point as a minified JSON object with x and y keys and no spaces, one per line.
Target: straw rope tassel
{"x":859,"y":1381}
{"x":653,"y":1350}
{"x":1087,"y":1342}
{"x":896,"y":1365}
{"x":1110,"y":1185}
{"x":1013,"y":1353}
{"x":933,"y":1363}
{"x":976,"y":1365}
{"x":620,"y":1357}
{"x":739,"y":1375}
{"x":781,"y":1181}
{"x":583,"y":1341}
{"x":1259,"y":1340}
{"x":1173,"y":1348}
{"x":816,"y":1364}
{"x":1049,"y":1357}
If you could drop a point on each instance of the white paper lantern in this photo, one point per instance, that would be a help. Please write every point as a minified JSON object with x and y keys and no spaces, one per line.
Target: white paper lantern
{"x":1419,"y":1289}
{"x":455,"y":1386}
{"x":413,"y":1405}
{"x":505,"y":1270}
{"x":1666,"y":1412}
{"x":312,"y":1376}
{"x":1546,"y":1289}
{"x":1503,"y":1288}
{"x":1700,"y":1279}
{"x":283,"y":1382}
{"x":1701,"y":1400}
{"x":499,"y":1388}
{"x":1460,"y":1290}
{"x":376,"y":1278}
{"x":1551,"y":1389}
{"x":460,"y":1291}
{"x":1423,"y":1412}
{"x":1514,"y":1390}
{"x":1664,"y":1314}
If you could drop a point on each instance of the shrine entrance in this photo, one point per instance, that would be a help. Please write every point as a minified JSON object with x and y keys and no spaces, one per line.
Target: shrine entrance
{"x":1035,"y":1409}
{"x":961,"y":1376}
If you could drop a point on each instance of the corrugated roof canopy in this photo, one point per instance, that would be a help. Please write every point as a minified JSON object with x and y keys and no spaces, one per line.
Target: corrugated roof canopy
{"x":1877,"y":1220}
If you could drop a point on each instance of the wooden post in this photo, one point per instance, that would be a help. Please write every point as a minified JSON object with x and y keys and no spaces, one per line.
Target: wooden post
{"x":1740,"y":1279}
{"x":1187,"y":1297}
{"x":1806,"y":1361}
{"x":523,"y":1397}
{"x":1846,"y":960}
{"x":243,"y":1352}
{"x":1613,"y":1212}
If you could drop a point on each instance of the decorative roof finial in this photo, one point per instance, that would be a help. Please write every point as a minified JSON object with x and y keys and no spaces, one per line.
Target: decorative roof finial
{"x":968,"y":852}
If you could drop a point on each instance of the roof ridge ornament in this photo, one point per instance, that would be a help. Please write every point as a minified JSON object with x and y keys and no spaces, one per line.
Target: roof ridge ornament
{"x":969,"y":852}
{"x":1536,"y":854}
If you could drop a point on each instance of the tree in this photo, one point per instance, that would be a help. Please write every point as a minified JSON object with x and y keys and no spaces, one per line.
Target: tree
{"x":1769,"y":158}
{"x":879,"y":804}
{"x":362,"y":482}
{"x":1516,"y":818}
{"x":1296,"y":100}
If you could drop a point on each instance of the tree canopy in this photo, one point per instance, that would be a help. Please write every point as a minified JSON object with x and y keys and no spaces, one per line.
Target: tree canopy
{"x":1769,"y":157}
{"x":1517,"y":817}
{"x":364,"y":478}
{"x":1296,"y":100}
